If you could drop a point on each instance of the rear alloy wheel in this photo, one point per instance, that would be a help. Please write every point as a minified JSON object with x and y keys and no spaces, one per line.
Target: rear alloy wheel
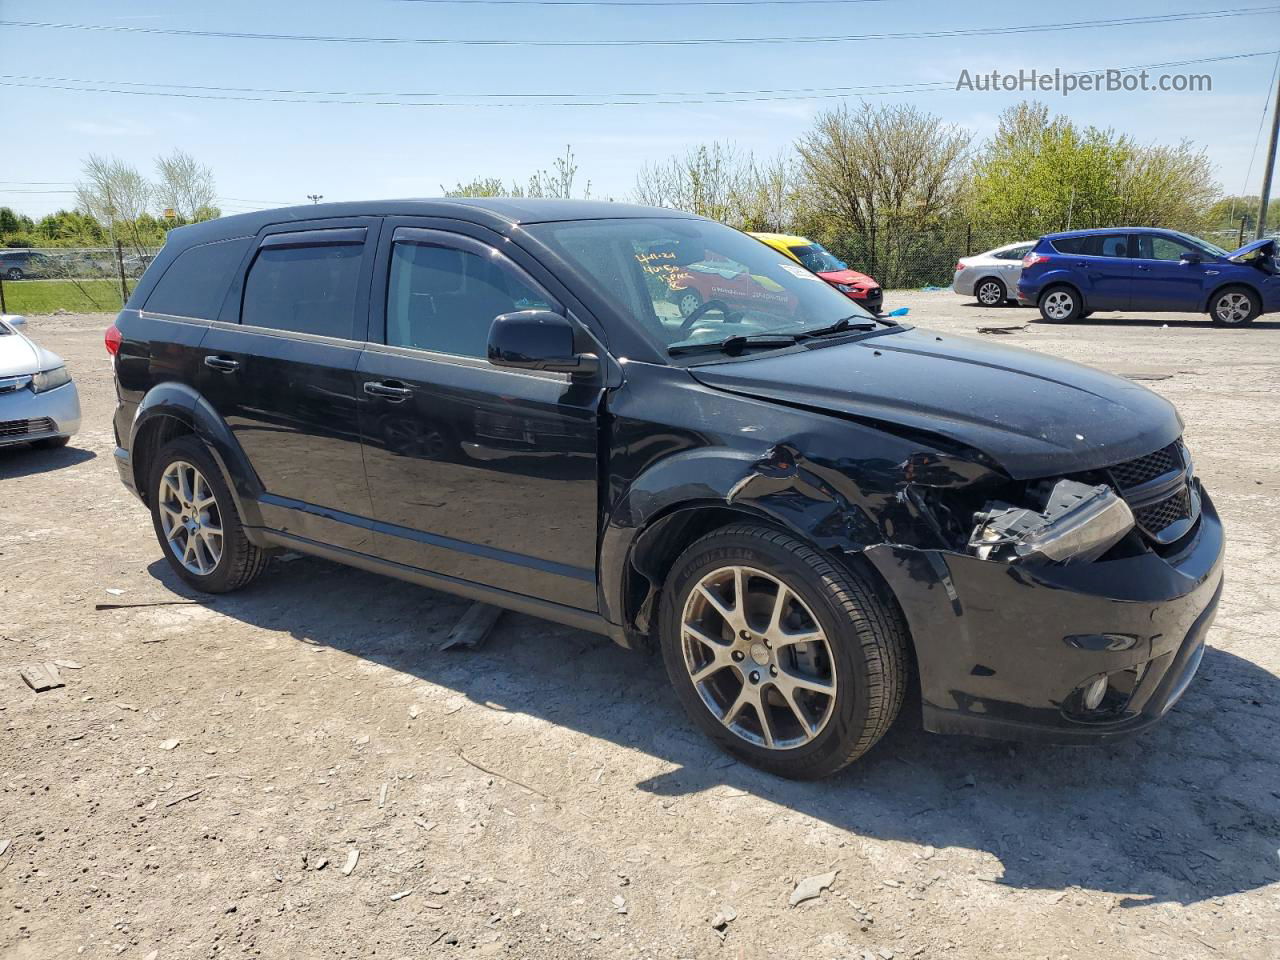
{"x":196,"y":521}
{"x":1060,"y":305}
{"x":15,"y":274}
{"x":786,"y":659}
{"x":1235,"y":306}
{"x":990,"y":292}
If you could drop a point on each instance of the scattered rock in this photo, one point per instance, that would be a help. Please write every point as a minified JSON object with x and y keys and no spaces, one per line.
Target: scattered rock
{"x":321,"y":863}
{"x":811,"y":887}
{"x":169,"y":744}
{"x":620,"y":903}
{"x":382,"y":797}
{"x":68,"y":665}
{"x":4,"y":845}
{"x":425,"y":824}
{"x":353,"y":857}
{"x":723,"y":918}
{"x":1002,"y":330}
{"x":413,"y":711}
{"x":401,"y":895}
{"x":361,"y":741}
{"x":115,"y":591}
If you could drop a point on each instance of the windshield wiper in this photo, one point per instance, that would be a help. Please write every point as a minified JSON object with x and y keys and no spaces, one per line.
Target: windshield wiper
{"x":841,"y":325}
{"x":734,"y":345}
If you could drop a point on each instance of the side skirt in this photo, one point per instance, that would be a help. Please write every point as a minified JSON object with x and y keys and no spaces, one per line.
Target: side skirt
{"x":555,"y":612}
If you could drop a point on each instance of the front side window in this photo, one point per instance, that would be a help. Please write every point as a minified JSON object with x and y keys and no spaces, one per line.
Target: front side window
{"x":304,"y":287}
{"x":444,"y":298}
{"x":1157,"y":247}
{"x":686,"y":282}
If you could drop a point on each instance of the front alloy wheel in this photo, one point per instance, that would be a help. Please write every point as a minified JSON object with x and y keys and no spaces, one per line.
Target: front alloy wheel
{"x":1060,"y":305}
{"x":758,"y":658}
{"x":788,"y":658}
{"x":189,"y":518}
{"x":1234,"y":306}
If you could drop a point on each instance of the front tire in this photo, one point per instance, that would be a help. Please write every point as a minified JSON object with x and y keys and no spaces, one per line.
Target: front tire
{"x":990,"y":292}
{"x":788,"y":660}
{"x":1060,"y":304}
{"x":196,"y":521}
{"x":1234,"y":307}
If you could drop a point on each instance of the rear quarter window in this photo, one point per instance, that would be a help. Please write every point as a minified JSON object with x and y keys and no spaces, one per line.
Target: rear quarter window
{"x":196,"y":282}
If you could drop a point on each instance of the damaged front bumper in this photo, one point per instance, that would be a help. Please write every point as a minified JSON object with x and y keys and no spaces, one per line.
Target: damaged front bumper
{"x":1010,"y":650}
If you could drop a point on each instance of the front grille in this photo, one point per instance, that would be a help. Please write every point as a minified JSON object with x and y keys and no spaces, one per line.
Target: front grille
{"x":1134,"y":473}
{"x":1164,"y":476}
{"x":1163,"y":514}
{"x":22,"y":428}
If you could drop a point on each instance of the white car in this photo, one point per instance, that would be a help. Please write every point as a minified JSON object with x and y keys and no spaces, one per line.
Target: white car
{"x":38,"y":402}
{"x":992,"y":277}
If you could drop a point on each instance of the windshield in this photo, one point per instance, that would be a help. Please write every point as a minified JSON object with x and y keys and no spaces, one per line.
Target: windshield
{"x":687,"y":282}
{"x":818,"y":258}
{"x":1205,"y":245}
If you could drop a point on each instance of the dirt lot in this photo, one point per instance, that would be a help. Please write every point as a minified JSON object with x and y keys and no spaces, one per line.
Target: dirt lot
{"x":543,"y":797}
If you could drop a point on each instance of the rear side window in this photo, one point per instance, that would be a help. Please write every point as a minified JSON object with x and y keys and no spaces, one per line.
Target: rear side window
{"x":444,"y":298}
{"x":305,"y":283}
{"x":1096,"y":245}
{"x":197,"y":280}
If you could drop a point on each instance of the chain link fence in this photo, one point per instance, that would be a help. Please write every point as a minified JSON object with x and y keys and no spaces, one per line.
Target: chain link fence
{"x":74,"y":279}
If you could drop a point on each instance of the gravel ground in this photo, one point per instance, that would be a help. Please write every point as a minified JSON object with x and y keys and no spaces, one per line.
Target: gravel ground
{"x":199,"y":784}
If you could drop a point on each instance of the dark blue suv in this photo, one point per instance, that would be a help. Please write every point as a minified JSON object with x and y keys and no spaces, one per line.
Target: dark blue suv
{"x":1070,"y":275}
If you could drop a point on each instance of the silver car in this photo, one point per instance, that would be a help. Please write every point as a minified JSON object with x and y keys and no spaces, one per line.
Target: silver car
{"x":992,"y":277}
{"x":38,"y":402}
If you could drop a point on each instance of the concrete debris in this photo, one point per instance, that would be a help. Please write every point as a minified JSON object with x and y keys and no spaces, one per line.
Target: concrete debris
{"x":4,"y":845}
{"x":473,"y":629}
{"x":68,"y":665}
{"x":401,"y":895}
{"x":41,"y":677}
{"x":321,"y":863}
{"x":620,"y":904}
{"x":811,"y":887}
{"x":382,"y":797}
{"x":353,"y":857}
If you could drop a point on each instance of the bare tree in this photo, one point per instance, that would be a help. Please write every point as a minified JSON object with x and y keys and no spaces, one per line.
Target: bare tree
{"x":706,"y":180}
{"x":116,"y":195}
{"x":878,"y":176}
{"x":186,"y":186}
{"x":557,"y":183}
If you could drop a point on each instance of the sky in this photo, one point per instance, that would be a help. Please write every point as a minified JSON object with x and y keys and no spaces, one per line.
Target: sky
{"x":480,"y":120}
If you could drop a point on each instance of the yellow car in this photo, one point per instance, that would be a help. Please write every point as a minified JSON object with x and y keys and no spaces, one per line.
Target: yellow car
{"x":817,"y":259}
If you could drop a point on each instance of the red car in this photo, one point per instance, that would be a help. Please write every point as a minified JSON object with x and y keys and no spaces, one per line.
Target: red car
{"x":728,"y":281}
{"x":816,"y":258}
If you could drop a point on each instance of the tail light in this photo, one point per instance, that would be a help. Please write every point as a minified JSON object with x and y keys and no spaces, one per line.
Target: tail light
{"x":1031,"y":259}
{"x":112,"y":339}
{"x":959,"y":265}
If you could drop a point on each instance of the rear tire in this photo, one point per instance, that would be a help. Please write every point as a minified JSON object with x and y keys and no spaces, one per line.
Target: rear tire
{"x":686,"y":301}
{"x":15,"y":274}
{"x":189,"y":502}
{"x":990,"y":292}
{"x":1234,"y":307}
{"x":801,"y":709}
{"x":1060,"y":304}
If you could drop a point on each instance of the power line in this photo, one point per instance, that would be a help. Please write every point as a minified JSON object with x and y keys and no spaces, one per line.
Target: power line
{"x":647,"y":3}
{"x":705,"y":97}
{"x":689,"y":41}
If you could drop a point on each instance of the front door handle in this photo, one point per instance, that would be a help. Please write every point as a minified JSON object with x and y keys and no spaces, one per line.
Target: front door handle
{"x":392,"y":390}
{"x":1141,"y":267}
{"x":222,"y":364}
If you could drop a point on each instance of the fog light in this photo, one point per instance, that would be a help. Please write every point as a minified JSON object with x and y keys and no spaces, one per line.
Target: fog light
{"x":1093,"y":692}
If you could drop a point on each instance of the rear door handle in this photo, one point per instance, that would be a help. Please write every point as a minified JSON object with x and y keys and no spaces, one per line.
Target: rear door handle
{"x":222,"y":364}
{"x":392,"y":389}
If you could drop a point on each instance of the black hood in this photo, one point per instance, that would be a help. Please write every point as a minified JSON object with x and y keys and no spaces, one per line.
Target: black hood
{"x":1033,"y":414}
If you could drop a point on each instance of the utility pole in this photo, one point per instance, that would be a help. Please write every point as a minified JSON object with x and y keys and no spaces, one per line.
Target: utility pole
{"x":317,"y":197}
{"x":1270,"y":167}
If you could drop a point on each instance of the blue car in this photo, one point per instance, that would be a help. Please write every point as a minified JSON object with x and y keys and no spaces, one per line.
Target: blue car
{"x":1070,"y":275}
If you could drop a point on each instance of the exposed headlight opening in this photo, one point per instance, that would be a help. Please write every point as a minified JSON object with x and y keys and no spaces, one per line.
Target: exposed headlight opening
{"x":50,"y":379}
{"x":1077,"y":523}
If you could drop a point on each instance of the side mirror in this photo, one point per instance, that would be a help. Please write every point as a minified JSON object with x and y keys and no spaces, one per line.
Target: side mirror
{"x":1190,"y":257}
{"x":537,"y":340}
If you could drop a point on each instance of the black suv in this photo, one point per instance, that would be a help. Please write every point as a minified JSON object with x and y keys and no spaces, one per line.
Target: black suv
{"x":805,"y":509}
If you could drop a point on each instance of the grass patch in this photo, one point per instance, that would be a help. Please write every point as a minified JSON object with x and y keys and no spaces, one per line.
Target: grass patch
{"x":46,"y":296}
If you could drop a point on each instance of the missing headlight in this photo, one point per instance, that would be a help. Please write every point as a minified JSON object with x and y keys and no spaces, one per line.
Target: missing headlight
{"x":1074,"y":523}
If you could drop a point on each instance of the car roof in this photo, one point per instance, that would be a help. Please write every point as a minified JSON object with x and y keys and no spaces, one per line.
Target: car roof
{"x":499,"y":213}
{"x":1095,"y":231}
{"x":789,"y":239}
